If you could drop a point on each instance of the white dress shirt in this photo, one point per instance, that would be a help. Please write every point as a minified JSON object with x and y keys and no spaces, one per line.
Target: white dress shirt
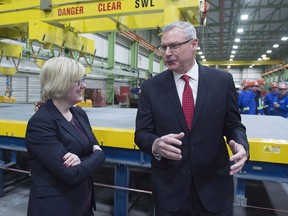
{"x":193,"y":82}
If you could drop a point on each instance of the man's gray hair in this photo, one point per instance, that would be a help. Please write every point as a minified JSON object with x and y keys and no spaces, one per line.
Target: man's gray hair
{"x":187,"y":27}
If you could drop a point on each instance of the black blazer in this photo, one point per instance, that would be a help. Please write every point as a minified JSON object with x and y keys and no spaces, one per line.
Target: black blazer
{"x":56,"y":189}
{"x":204,"y":152}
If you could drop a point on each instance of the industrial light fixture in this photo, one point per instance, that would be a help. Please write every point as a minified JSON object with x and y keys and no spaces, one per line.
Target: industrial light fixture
{"x":228,"y":66}
{"x":284,"y":38}
{"x":269,"y":51}
{"x":251,"y":66}
{"x":200,"y":53}
{"x":240,"y":30}
{"x":202,"y":57}
{"x":230,"y":59}
{"x":244,"y":17}
{"x":275,"y":45}
{"x":231,"y":56}
{"x":233,"y":51}
{"x":237,"y":40}
{"x":259,"y":59}
{"x":235,"y":47}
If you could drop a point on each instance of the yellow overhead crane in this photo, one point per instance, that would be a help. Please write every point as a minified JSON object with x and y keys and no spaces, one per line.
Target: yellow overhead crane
{"x":20,"y":18}
{"x":60,"y":23}
{"x":96,"y":16}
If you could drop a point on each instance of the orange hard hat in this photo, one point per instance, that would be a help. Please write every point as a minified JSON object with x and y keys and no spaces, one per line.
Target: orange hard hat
{"x":261,"y":81}
{"x":274,"y":85}
{"x":245,"y":85}
{"x":282,"y":86}
{"x":253,"y":83}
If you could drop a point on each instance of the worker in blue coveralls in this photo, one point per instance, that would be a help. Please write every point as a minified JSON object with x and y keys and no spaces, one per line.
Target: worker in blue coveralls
{"x":271,"y":98}
{"x":281,"y":105}
{"x":246,"y":99}
{"x":258,"y":99}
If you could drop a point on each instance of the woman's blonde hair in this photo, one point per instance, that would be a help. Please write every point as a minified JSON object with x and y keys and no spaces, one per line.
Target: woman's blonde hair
{"x":57,"y":76}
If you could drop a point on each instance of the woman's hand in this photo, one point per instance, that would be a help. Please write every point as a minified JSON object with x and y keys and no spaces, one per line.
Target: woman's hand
{"x":71,"y":160}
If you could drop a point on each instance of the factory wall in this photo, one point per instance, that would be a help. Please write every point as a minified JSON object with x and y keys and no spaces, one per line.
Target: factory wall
{"x":26,"y":86}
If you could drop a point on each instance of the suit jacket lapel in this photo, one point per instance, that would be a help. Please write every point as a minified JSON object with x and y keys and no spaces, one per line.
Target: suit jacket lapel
{"x":64,"y":123}
{"x":174,"y":99}
{"x":84,"y":125}
{"x":202,"y":89}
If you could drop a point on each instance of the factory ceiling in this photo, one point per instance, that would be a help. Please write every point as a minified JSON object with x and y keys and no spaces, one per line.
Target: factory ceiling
{"x":259,"y":26}
{"x":60,"y":22}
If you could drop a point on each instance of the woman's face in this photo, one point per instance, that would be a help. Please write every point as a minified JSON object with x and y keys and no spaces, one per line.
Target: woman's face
{"x":75,"y":93}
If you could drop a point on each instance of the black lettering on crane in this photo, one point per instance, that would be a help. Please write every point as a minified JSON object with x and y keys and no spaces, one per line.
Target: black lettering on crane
{"x":144,"y":3}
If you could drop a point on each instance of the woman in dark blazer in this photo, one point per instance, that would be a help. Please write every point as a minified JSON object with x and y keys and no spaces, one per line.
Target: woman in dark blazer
{"x":63,"y":151}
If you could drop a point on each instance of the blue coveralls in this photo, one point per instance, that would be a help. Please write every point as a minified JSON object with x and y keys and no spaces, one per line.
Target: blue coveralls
{"x":246,"y":102}
{"x":259,"y":103}
{"x":283,"y":109}
{"x":269,"y":100}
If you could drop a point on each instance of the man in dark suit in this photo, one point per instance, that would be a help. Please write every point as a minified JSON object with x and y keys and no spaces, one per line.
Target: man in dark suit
{"x":191,"y":172}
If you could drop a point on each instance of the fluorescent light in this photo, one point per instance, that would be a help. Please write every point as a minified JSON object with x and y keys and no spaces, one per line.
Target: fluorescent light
{"x":228,"y":66}
{"x":284,"y":38}
{"x":240,"y":30}
{"x":200,"y":53}
{"x":237,"y":40}
{"x":263,"y":56}
{"x":259,"y":59}
{"x":204,"y":60}
{"x":269,"y":51}
{"x":235,"y":47}
{"x":231,"y":56}
{"x":244,"y":17}
{"x":251,"y":66}
{"x":230,"y":59}
{"x":198,"y":48}
{"x":233,"y":51}
{"x":275,"y":45}
{"x":202,"y":57}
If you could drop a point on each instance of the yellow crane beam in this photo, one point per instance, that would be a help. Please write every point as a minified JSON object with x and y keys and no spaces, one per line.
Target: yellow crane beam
{"x":63,"y":20}
{"x":23,"y":11}
{"x":51,"y":35}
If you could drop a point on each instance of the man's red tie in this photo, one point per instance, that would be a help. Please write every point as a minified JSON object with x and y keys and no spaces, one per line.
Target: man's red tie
{"x":187,"y":102}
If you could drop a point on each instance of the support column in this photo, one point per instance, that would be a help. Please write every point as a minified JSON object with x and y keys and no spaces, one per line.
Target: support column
{"x":151,"y":61}
{"x":134,"y":55}
{"x":110,"y":89}
{"x":111,"y":50}
{"x":121,"y":201}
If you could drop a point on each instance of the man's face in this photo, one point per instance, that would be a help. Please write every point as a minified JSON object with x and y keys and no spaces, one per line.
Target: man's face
{"x":274,"y":89}
{"x":179,"y":60}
